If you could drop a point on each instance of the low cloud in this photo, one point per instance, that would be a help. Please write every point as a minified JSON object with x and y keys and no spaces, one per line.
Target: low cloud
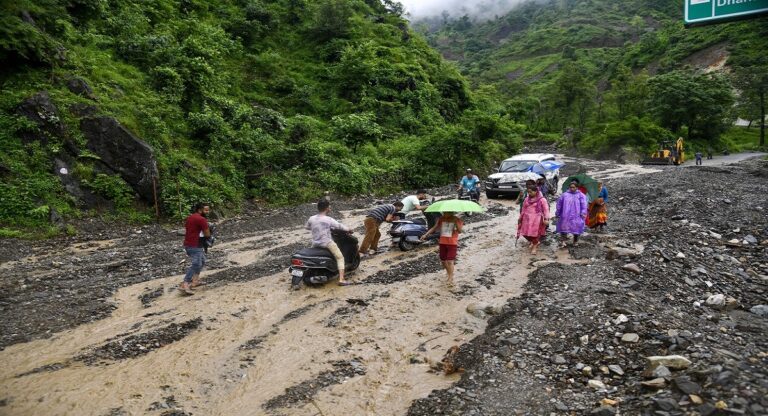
{"x":480,"y":9}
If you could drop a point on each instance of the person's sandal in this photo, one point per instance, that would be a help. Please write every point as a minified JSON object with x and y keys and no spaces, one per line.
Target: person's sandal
{"x":346,"y":283}
{"x":185,"y":291}
{"x":198,"y":284}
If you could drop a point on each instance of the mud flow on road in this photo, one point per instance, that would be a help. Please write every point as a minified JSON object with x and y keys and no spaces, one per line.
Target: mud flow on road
{"x":98,"y":327}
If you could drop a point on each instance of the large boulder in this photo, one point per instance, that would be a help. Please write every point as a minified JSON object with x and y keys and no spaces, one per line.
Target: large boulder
{"x":122,"y":152}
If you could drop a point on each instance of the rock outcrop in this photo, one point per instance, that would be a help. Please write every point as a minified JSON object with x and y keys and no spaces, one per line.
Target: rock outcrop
{"x":122,"y":152}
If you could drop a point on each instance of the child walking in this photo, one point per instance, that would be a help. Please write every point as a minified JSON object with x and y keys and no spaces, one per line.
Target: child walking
{"x":450,"y":226}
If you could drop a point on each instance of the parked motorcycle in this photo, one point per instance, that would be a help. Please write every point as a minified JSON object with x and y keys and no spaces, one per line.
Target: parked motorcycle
{"x":406,"y":233}
{"x":316,"y":265}
{"x":470,"y":194}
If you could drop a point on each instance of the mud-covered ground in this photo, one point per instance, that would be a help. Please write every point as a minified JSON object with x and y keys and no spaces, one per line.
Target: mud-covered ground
{"x":98,"y":315}
{"x":681,"y":270}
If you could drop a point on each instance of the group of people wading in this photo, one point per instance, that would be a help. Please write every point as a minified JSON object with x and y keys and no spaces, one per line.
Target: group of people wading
{"x":573,"y":213}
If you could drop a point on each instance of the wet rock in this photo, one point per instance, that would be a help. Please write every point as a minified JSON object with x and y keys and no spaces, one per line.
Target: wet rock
{"x":660,"y":371}
{"x":558,"y":359}
{"x":656,"y":383}
{"x":616,"y":369}
{"x":122,"y":152}
{"x":596,"y":384}
{"x":685,"y":385}
{"x":632,"y":267}
{"x":493,"y":310}
{"x":477,"y":309}
{"x":676,"y":362}
{"x":760,"y":310}
{"x":603,"y":411}
{"x":750,"y":239}
{"x":80,"y":87}
{"x":666,"y":404}
{"x":630,"y":338}
{"x":44,"y":114}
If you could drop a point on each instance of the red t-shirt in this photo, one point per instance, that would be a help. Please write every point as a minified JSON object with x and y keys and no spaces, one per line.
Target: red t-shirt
{"x":195,"y":226}
{"x":449,"y":233}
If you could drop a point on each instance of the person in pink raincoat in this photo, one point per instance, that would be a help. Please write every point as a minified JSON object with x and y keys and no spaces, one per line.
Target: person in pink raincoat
{"x":571,"y":213}
{"x":534,"y":218}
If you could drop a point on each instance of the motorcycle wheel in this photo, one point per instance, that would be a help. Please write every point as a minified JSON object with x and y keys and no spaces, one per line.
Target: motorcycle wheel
{"x":406,"y":246}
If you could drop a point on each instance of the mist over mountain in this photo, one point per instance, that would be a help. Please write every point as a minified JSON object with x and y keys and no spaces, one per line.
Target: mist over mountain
{"x":476,"y":9}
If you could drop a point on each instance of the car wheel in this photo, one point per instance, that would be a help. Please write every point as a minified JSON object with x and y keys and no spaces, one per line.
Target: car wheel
{"x":491,"y":195}
{"x":406,"y":246}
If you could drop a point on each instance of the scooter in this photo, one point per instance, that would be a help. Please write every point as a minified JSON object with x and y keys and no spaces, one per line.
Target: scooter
{"x":316,"y":266}
{"x":470,"y":194}
{"x":407,"y":233}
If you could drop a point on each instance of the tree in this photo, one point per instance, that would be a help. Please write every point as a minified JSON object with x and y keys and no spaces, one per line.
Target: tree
{"x":701,"y":103}
{"x":629,"y":93}
{"x":573,"y":91}
{"x":750,"y":77}
{"x":356,"y":129}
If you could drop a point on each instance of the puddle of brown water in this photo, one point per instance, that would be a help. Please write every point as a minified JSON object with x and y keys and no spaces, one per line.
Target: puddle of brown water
{"x":206,"y":372}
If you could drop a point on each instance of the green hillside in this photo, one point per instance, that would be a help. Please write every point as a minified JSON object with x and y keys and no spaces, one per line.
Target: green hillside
{"x":274,"y":100}
{"x":606,"y":70}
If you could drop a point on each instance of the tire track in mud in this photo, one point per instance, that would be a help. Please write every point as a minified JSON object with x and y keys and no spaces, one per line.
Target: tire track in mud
{"x":125,"y":346}
{"x":304,"y":392}
{"x":140,"y":344}
{"x":255,"y":343}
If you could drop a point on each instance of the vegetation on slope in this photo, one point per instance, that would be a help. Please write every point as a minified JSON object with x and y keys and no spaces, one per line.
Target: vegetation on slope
{"x":276,"y":100}
{"x":614,"y":73}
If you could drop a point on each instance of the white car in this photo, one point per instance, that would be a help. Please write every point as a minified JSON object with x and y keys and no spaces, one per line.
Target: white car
{"x":510,"y":177}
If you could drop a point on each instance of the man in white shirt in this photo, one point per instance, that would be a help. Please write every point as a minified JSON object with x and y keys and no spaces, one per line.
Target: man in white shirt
{"x":412,"y":202}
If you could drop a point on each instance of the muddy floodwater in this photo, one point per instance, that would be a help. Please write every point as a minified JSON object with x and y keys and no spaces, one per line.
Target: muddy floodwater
{"x":246,"y":344}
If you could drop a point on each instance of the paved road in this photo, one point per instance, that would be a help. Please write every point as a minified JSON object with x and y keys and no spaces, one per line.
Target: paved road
{"x":725,"y":160}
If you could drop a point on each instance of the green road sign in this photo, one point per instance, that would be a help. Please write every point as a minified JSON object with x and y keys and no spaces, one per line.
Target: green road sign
{"x":712,"y":11}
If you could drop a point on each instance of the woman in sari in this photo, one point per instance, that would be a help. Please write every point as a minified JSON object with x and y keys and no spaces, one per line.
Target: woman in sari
{"x":534,"y":218}
{"x":571,"y":213}
{"x":598,"y":212}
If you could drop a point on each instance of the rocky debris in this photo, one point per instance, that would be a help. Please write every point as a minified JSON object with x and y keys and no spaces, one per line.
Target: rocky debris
{"x":564,"y":340}
{"x":65,"y":289}
{"x":121,"y":152}
{"x":167,"y":403}
{"x":150,"y":295}
{"x":134,"y":346}
{"x":406,"y":270}
{"x":303,"y":392}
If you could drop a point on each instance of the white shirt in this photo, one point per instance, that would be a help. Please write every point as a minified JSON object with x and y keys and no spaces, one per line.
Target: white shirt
{"x":410,"y":203}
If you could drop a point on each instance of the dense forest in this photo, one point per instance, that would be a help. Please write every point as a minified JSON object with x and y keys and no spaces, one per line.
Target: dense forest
{"x":111,"y":106}
{"x":273,"y":100}
{"x":613,"y":73}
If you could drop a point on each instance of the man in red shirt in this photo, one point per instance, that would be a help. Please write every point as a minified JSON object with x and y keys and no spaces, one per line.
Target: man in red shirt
{"x":194,"y":238}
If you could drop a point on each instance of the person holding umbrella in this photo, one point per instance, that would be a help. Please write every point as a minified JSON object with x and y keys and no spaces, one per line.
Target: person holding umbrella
{"x":534,"y":218}
{"x":450,"y":227}
{"x":571,"y":213}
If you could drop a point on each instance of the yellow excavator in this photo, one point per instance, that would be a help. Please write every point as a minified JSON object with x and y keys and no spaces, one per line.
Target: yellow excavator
{"x":667,"y":154}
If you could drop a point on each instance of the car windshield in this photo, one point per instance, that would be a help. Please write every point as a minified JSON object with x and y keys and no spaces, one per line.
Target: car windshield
{"x":516,"y":165}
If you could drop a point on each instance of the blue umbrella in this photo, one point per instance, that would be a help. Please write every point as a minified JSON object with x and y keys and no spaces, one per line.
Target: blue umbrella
{"x":542,"y":167}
